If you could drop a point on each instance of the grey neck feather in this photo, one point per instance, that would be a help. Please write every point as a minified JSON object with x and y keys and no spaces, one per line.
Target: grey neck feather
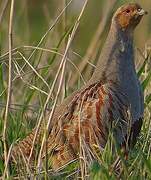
{"x":116,"y":61}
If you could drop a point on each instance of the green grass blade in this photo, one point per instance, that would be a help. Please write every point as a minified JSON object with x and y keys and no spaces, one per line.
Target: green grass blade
{"x":142,"y":68}
{"x":146,"y":82}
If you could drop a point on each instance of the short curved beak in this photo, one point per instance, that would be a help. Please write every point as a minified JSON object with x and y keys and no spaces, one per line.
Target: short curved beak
{"x":142,"y":12}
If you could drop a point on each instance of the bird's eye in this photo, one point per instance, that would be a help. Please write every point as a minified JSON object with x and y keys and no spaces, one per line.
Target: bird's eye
{"x":127,"y":11}
{"x":139,"y":9}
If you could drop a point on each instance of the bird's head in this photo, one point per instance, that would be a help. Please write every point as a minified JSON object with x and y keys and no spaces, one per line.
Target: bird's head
{"x":128,"y":16}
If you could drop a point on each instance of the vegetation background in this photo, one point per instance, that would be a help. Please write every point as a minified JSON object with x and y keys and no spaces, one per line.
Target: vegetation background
{"x":33,"y":76}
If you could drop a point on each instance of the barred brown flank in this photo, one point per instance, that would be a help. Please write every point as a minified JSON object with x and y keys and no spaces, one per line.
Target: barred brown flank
{"x":99,"y":123}
{"x":70,"y":130}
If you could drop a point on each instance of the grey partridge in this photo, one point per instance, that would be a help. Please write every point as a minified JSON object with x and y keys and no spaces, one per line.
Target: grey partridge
{"x":112,"y":98}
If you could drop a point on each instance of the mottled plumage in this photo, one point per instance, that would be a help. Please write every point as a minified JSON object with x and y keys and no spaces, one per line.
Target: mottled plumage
{"x":112,"y":98}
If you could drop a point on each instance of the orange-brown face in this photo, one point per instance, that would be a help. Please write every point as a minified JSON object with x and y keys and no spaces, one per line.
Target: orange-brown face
{"x":128,"y":16}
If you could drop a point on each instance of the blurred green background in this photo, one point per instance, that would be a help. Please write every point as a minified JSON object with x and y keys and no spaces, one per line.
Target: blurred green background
{"x":33,"y":17}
